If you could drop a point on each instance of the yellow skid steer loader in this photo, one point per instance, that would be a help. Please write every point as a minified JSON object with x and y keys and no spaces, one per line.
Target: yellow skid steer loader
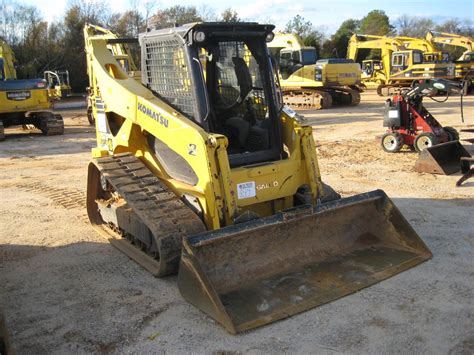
{"x":199,"y":168}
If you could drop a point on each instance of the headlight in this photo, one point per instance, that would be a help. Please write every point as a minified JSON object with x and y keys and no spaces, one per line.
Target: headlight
{"x":199,"y":36}
{"x":270,"y":37}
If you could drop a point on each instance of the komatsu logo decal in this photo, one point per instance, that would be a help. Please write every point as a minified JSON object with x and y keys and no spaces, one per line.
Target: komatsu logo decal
{"x":18,"y":95}
{"x":152,"y":114}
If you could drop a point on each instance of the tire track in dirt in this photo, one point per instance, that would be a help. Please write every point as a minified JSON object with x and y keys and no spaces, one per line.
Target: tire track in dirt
{"x":69,"y":199}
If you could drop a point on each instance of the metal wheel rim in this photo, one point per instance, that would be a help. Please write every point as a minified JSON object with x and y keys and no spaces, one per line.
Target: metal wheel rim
{"x":390,"y":142}
{"x":424,"y":142}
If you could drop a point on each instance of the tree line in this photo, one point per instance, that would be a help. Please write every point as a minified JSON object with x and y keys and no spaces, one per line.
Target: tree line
{"x":40,"y":46}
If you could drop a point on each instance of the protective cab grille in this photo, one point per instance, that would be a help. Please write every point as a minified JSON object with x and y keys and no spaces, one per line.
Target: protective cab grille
{"x":166,"y":72}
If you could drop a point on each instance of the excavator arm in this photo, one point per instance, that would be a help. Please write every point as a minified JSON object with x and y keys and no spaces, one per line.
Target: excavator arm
{"x":386,"y":45}
{"x":451,"y":39}
{"x":8,"y":58}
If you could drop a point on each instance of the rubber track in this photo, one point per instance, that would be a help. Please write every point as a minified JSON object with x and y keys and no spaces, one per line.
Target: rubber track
{"x":165,"y":215}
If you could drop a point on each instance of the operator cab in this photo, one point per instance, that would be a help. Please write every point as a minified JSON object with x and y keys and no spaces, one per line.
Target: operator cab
{"x":220,"y":76}
{"x":370,"y":66}
{"x":290,"y":61}
{"x":403,"y":59}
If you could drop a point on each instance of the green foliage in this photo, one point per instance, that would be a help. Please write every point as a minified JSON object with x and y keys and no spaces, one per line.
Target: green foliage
{"x":376,"y":23}
{"x":305,"y":29}
{"x":175,"y":15}
{"x":229,"y":15}
{"x":41,"y":46}
{"x":336,"y":47}
{"x":127,"y":24}
{"x":77,"y":15}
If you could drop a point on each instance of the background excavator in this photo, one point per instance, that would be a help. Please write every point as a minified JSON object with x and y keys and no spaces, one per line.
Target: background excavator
{"x":464,"y":65}
{"x":310,"y":83}
{"x":199,"y":167}
{"x":430,"y":51}
{"x":24,"y":102}
{"x":397,"y":66}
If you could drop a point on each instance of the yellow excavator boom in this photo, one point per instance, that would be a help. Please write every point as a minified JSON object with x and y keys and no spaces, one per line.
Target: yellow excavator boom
{"x":7,"y":56}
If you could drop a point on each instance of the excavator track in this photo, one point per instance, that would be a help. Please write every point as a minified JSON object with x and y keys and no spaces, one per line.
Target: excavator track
{"x":389,"y":89}
{"x":344,"y":96}
{"x":355,"y":97}
{"x":307,"y":99}
{"x":49,"y":123}
{"x":138,"y":213}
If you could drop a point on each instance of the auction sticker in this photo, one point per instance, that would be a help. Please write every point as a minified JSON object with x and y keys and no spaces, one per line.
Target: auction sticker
{"x":246,"y":190}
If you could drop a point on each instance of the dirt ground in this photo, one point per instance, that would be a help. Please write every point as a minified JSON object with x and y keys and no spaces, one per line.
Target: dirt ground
{"x":64,"y":289}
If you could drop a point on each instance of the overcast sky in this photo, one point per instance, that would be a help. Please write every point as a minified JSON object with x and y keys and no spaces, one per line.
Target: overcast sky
{"x":326,"y":15}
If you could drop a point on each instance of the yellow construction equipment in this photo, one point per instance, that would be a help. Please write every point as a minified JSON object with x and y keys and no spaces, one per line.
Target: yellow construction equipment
{"x":122,"y":55}
{"x":430,"y":52}
{"x":58,"y":83}
{"x":464,"y":65}
{"x":397,"y":66}
{"x":200,"y":167}
{"x":310,"y":83}
{"x":24,"y":102}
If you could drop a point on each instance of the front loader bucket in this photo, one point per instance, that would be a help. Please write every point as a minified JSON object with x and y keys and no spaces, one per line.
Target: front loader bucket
{"x":254,"y":273}
{"x":441,"y":159}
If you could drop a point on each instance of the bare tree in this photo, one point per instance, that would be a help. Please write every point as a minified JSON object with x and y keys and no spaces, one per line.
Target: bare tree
{"x":413,"y":26}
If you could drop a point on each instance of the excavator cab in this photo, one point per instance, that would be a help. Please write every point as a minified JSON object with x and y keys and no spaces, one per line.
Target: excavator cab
{"x":401,"y":60}
{"x":371,"y":66}
{"x":292,"y":60}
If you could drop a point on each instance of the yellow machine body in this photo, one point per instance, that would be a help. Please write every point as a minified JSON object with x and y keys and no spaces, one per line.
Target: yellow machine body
{"x":464,"y":65}
{"x":25,"y":101}
{"x":300,"y":69}
{"x":21,"y":100}
{"x":397,"y":64}
{"x":250,"y":235}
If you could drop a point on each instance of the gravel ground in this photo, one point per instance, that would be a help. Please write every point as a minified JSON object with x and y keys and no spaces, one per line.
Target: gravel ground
{"x":64,"y":289}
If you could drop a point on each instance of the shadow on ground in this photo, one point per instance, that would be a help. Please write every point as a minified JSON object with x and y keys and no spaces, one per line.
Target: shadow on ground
{"x":87,"y":297}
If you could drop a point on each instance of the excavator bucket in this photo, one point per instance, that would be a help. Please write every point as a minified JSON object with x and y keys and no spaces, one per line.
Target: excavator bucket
{"x":441,"y":159}
{"x":254,"y":273}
